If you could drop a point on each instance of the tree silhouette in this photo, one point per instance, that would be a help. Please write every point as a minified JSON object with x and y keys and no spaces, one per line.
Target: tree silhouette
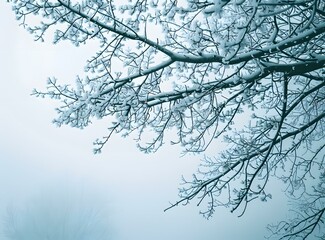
{"x":200,"y":68}
{"x":57,"y":214}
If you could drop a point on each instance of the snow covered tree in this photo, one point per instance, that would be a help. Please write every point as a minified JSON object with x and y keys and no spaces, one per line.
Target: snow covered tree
{"x":57,"y":214}
{"x":250,"y":72}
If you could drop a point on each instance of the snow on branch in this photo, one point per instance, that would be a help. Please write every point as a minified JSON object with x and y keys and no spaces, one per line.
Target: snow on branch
{"x":202,"y":69}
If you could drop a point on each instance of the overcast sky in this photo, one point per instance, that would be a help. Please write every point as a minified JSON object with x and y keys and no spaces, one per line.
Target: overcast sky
{"x":36,"y":156}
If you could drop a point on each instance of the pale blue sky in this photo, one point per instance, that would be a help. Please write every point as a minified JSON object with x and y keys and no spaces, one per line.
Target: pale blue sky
{"x":35,"y":154}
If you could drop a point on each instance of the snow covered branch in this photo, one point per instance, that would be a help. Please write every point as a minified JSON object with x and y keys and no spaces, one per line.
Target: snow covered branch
{"x":199,"y":67}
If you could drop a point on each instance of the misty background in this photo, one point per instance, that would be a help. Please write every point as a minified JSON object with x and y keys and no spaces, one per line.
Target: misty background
{"x":39,"y":159}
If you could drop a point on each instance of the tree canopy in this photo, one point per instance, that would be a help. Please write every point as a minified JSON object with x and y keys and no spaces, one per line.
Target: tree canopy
{"x":250,"y":72}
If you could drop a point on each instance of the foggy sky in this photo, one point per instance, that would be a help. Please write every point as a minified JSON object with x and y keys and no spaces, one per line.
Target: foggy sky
{"x":36,"y":156}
